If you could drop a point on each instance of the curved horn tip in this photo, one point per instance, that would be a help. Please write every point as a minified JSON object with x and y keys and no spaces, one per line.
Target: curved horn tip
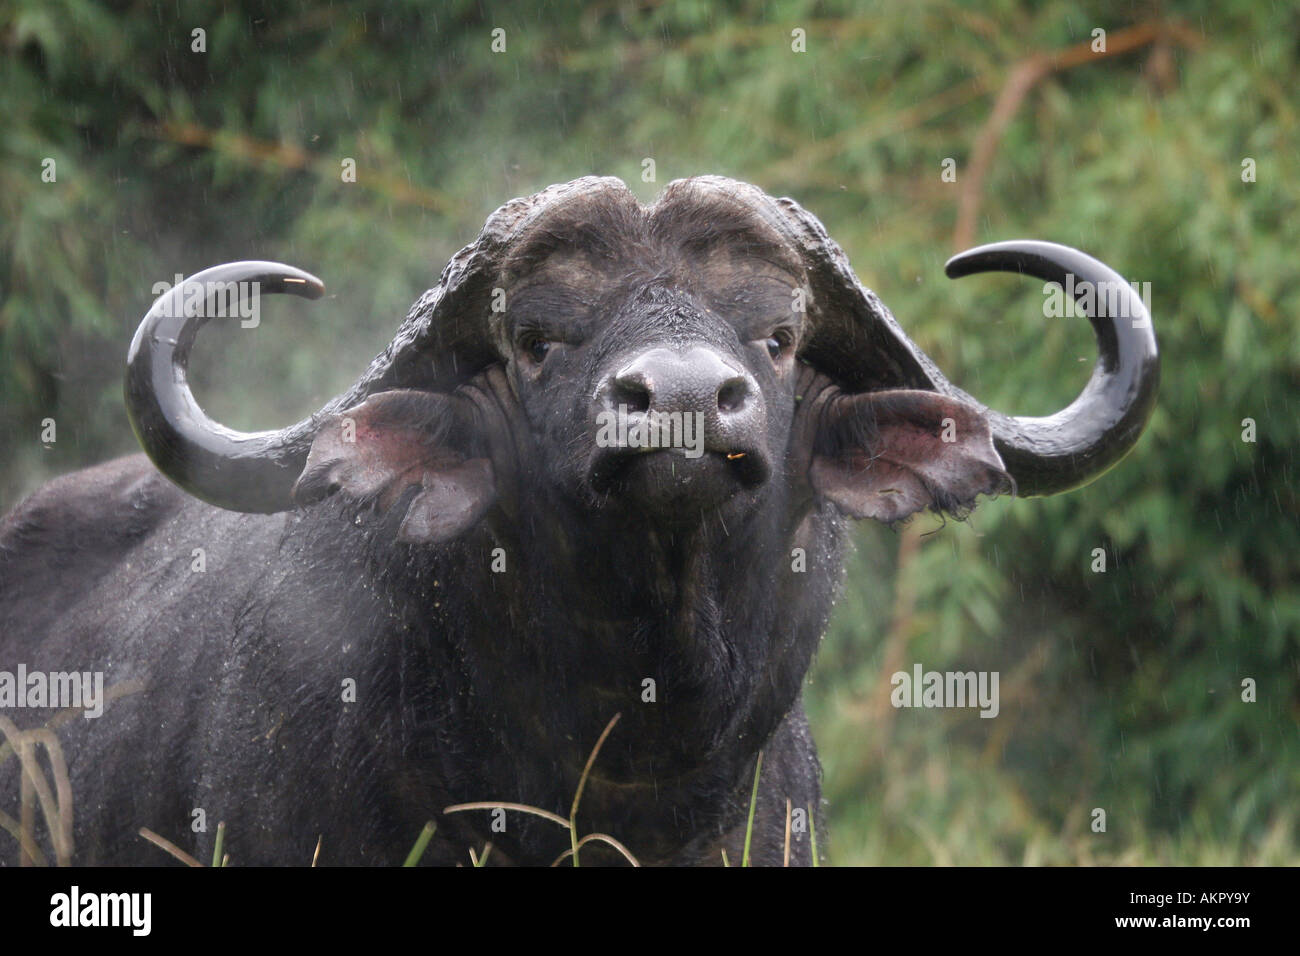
{"x":271,"y":276}
{"x":1011,"y":255}
{"x":251,"y":472}
{"x":1074,"y":446}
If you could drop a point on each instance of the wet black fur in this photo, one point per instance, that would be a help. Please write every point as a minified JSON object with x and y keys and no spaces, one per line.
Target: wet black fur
{"x":472,"y":685}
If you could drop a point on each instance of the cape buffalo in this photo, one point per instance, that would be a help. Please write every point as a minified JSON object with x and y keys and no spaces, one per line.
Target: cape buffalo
{"x":603,"y":468}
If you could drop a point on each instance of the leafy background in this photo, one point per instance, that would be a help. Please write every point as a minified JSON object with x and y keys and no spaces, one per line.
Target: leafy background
{"x":1120,"y":690}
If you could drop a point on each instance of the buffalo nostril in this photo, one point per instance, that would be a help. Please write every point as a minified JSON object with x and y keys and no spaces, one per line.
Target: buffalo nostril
{"x":631,"y":392}
{"x":732,"y":395}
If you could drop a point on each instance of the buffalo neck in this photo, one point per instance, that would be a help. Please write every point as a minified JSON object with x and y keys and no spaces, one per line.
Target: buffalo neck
{"x":697,"y":633}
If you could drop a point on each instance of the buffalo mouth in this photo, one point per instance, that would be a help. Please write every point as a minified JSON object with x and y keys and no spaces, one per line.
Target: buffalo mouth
{"x":671,"y":475}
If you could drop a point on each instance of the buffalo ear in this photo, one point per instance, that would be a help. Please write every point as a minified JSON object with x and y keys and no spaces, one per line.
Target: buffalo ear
{"x":887,"y":455}
{"x":393,"y":441}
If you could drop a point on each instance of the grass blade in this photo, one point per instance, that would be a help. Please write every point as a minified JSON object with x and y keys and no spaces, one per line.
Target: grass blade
{"x":221,"y":840}
{"x":169,"y":846}
{"x":421,"y":842}
{"x":812,"y":832}
{"x":753,"y":802}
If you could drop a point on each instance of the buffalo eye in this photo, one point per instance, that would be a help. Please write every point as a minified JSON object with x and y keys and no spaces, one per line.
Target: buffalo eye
{"x":777,"y":343}
{"x":536,"y":348}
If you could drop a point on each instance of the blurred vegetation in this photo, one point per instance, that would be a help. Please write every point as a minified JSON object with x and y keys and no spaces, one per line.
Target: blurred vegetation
{"x":1119,"y":690}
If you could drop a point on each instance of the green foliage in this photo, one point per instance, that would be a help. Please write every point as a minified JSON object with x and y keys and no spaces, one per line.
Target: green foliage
{"x":1120,"y":690}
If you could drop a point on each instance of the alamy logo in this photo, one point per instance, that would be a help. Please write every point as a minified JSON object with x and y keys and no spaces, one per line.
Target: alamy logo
{"x":75,"y":908}
{"x":923,"y":688}
{"x":58,"y":689}
{"x":1080,"y":299}
{"x":212,"y":299}
{"x":624,"y":429}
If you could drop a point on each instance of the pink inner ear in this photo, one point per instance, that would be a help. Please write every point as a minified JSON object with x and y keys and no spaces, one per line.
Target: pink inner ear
{"x":909,"y":467}
{"x":870,"y":488}
{"x":393,"y":448}
{"x":452,"y":501}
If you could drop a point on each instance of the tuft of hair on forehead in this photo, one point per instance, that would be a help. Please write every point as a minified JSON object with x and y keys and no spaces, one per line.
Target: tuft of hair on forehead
{"x":709,"y":213}
{"x":695,"y":216}
{"x":600,"y":224}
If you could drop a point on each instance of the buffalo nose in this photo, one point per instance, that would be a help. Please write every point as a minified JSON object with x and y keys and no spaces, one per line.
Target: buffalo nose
{"x":698,"y":380}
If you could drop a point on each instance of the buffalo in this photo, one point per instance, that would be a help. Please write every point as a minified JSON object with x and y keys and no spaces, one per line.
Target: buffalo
{"x":602,"y":470}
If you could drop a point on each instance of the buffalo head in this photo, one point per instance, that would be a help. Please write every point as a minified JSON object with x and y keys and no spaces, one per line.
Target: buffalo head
{"x":664,"y":361}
